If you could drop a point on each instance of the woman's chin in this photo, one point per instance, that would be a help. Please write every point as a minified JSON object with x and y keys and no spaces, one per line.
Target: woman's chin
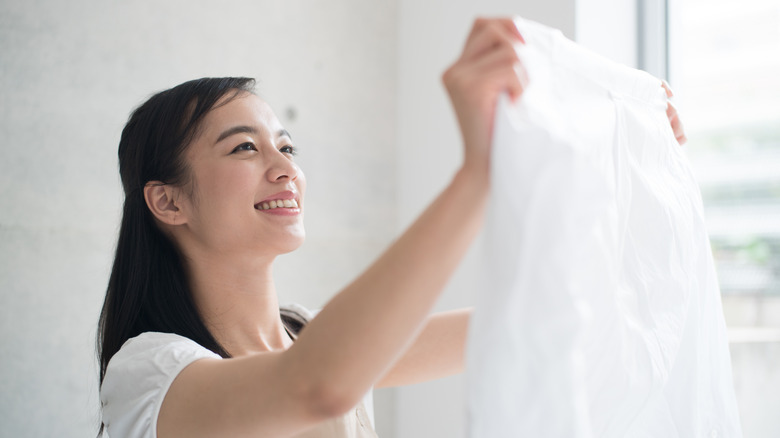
{"x":290,"y":244}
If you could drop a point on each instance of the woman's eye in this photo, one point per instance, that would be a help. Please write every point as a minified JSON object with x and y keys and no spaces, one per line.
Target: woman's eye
{"x":289,"y":150}
{"x":245,"y":147}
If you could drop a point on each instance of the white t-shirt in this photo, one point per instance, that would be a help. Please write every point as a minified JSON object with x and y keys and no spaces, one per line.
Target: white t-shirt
{"x":140,"y":373}
{"x":138,"y":377}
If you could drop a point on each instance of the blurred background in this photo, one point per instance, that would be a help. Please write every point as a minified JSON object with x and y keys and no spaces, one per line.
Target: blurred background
{"x":357,"y":83}
{"x":724,"y":64}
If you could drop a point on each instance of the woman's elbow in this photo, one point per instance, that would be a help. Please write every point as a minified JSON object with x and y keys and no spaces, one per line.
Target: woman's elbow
{"x":329,"y":400}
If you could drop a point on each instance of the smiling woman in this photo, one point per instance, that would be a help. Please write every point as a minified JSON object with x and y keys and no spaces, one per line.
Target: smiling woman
{"x":241,"y":158}
{"x":192,"y":340}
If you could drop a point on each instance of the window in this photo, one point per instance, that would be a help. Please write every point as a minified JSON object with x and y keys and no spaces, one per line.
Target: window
{"x":723,"y":61}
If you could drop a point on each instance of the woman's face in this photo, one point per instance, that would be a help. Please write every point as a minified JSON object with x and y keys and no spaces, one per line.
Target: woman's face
{"x":247,"y":194}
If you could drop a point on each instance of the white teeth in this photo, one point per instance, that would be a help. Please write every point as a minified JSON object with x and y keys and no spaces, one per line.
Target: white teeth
{"x":286,"y":203}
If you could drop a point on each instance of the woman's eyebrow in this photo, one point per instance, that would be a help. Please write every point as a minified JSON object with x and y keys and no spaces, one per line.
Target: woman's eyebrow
{"x":284,"y":133}
{"x":235,"y":130}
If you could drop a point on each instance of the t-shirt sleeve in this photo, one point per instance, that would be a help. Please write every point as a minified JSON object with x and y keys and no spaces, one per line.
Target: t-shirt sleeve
{"x":138,"y":377}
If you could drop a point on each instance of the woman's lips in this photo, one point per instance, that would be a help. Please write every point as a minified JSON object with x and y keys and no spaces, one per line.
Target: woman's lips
{"x":284,"y":211}
{"x":283,"y":204}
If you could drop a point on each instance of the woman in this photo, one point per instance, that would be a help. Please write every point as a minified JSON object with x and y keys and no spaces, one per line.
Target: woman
{"x":192,"y":341}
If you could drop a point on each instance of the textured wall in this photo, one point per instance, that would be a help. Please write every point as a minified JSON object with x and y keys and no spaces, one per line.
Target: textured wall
{"x":70,"y":73}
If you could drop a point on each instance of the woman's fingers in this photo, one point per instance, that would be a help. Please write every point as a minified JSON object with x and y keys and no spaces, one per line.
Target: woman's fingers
{"x":488,"y":34}
{"x":677,"y":126}
{"x":488,"y":66}
{"x":496,"y":71}
{"x":666,"y":87}
{"x":511,"y":27}
{"x":507,"y":24}
{"x":674,"y":118}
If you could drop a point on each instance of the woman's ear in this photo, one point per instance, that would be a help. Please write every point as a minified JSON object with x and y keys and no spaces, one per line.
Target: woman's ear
{"x":161,"y":200}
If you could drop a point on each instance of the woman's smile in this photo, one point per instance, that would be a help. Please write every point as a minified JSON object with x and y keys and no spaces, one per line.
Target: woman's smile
{"x":283,"y":204}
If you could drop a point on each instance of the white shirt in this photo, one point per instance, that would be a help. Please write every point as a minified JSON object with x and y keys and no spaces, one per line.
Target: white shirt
{"x":139,"y":374}
{"x":138,"y":377}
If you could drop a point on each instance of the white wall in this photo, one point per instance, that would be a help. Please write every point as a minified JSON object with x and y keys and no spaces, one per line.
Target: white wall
{"x":71,"y":72}
{"x":608,"y":27}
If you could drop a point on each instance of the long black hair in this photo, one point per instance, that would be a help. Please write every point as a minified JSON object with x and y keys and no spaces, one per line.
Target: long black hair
{"x":148,"y":288}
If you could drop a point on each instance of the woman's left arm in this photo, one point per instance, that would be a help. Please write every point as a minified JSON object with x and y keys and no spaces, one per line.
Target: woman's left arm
{"x":437,"y":352}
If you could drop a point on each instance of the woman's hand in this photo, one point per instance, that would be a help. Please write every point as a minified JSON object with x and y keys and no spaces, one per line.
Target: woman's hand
{"x":674,"y":119}
{"x":488,"y":66}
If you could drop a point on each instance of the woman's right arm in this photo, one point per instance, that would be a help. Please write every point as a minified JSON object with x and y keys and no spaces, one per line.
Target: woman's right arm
{"x":364,"y":329}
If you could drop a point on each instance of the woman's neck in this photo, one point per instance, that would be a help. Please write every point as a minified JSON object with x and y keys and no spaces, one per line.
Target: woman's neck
{"x":238,"y":303}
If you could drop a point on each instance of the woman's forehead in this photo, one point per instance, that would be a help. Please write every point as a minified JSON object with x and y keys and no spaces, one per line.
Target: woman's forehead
{"x":245,"y":109}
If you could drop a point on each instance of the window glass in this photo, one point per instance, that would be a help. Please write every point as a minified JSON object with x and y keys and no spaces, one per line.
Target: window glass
{"x":725,"y":69}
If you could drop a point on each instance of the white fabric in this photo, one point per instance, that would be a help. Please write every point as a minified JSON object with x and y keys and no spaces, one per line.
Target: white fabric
{"x":601,"y":313}
{"x":140,"y":373}
{"x":138,"y":377}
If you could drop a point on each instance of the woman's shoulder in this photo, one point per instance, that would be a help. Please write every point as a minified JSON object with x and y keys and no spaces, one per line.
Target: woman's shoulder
{"x":139,"y":375}
{"x":156,"y":339}
{"x":151,"y":353}
{"x":157,"y":347}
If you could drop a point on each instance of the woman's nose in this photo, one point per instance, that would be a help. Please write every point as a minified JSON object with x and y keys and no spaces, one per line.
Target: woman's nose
{"x":282,"y":167}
